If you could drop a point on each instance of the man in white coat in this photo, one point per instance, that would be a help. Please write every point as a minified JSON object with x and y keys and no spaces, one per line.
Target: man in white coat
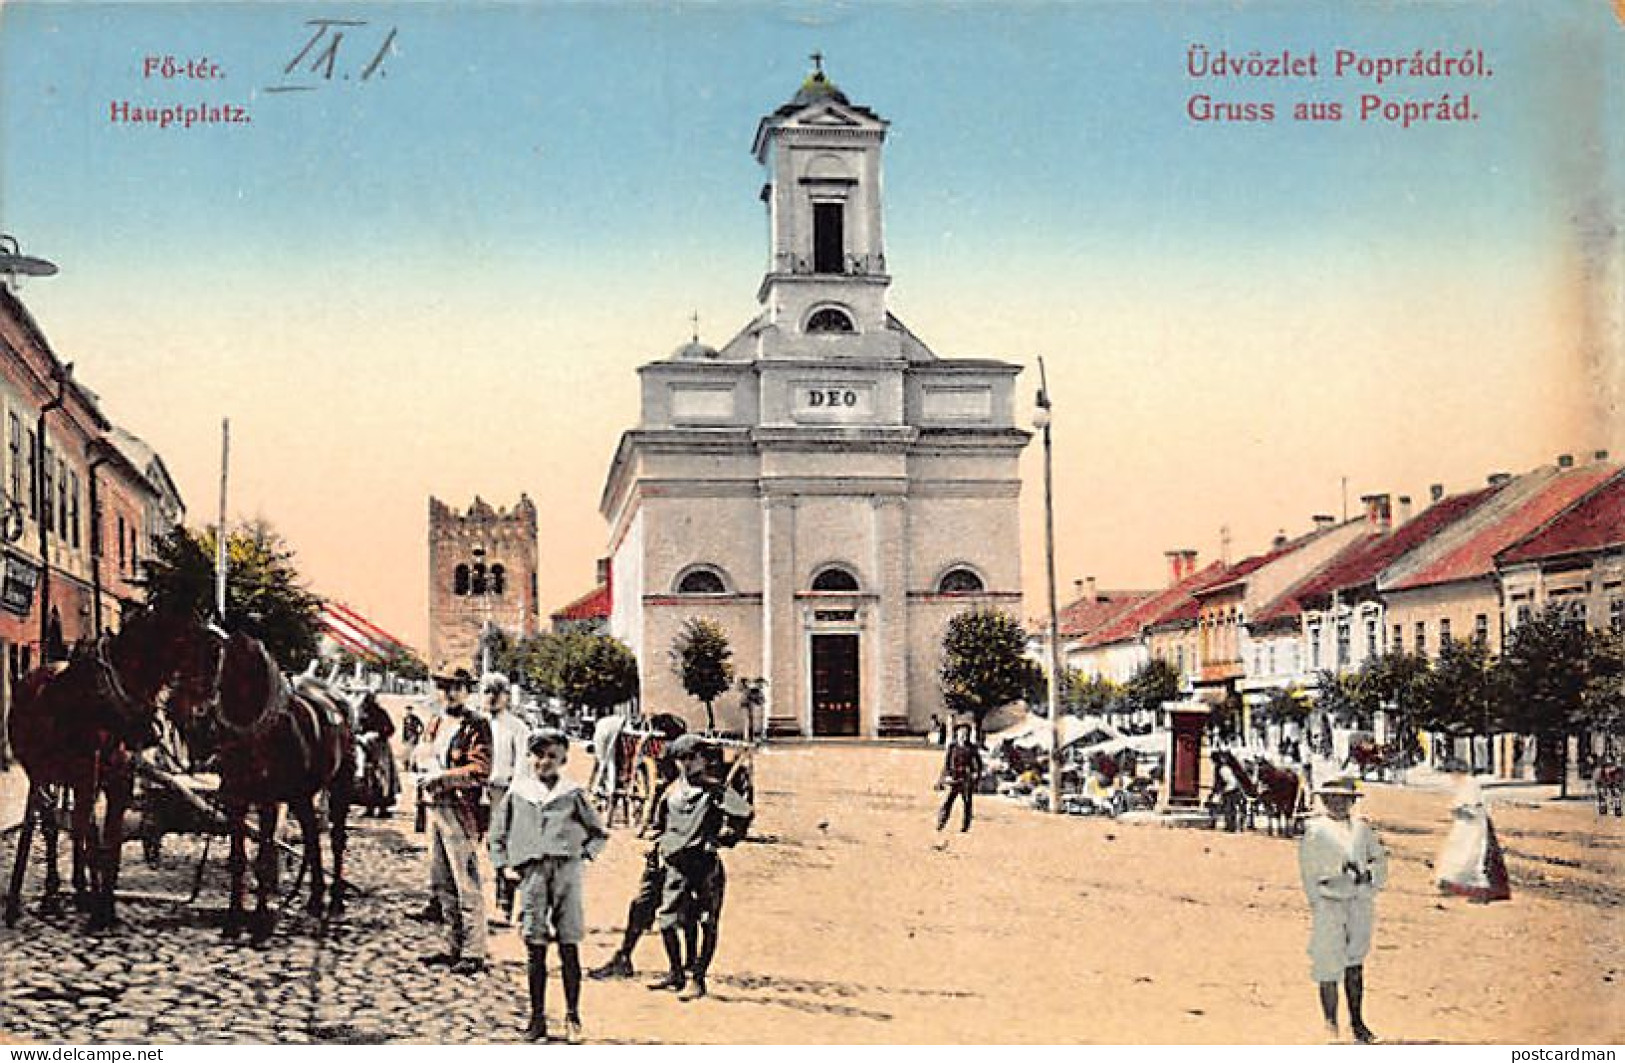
{"x":1343,"y":866}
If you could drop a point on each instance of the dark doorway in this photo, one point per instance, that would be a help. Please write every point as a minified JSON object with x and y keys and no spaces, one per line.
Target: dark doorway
{"x":829,"y":238}
{"x":835,"y":684}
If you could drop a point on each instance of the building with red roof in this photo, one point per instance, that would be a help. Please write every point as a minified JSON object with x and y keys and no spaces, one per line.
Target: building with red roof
{"x":590,"y":612}
{"x":1118,"y":647}
{"x":1451,"y":587}
{"x":1225,"y":607}
{"x":1576,"y":560}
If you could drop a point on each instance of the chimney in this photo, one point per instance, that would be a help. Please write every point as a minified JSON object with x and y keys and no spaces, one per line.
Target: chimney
{"x":1189,"y":559}
{"x":1600,"y":455}
{"x":1496,"y":479}
{"x":1322,"y":521}
{"x":1565,"y":461}
{"x":1077,"y":589}
{"x":1404,"y":508}
{"x":1089,"y":592}
{"x":1435,"y":492}
{"x":1176,"y":565}
{"x":601,"y":570}
{"x":1280,"y":539}
{"x":1379,"y":516}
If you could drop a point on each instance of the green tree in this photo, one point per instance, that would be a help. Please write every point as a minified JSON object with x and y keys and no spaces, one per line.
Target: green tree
{"x":1459,"y":695}
{"x":1560,"y":678}
{"x":1392,"y":682}
{"x":265,"y":595}
{"x":1337,"y":694}
{"x":597,"y":672}
{"x":702,"y":658}
{"x":985,"y":663}
{"x":1093,"y":695}
{"x":405,"y":663}
{"x":1153,"y":683}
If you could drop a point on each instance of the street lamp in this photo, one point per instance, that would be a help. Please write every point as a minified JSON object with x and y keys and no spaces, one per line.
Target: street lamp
{"x":1041,"y":421}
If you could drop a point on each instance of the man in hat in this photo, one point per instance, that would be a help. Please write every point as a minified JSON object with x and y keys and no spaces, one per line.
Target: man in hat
{"x":1343,"y":866}
{"x":696,"y":811}
{"x":459,"y":765}
{"x":509,"y":753}
{"x":961,"y":771}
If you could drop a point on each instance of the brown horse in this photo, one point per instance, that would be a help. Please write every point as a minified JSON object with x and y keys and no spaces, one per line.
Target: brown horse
{"x":74,"y":729}
{"x":279,"y":745}
{"x":1278,"y":793}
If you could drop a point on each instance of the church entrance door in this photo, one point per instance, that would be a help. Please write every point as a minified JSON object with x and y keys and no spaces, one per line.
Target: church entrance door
{"x":835,"y":684}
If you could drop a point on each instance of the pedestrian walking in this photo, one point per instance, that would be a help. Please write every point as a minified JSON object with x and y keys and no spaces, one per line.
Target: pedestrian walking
{"x":1342,"y":865}
{"x":380,"y":783}
{"x":543,"y":829}
{"x":701,"y":814}
{"x":961,"y":770}
{"x":1471,"y":863}
{"x":509,"y":738}
{"x":1228,"y":792}
{"x":460,"y":749}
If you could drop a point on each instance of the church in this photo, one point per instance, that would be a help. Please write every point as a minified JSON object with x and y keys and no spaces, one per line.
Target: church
{"x":824,"y":487}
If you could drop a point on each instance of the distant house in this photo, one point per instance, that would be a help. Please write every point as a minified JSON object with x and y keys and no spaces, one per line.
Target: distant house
{"x":1576,"y":560}
{"x":1450,"y":588}
{"x":590,"y":612}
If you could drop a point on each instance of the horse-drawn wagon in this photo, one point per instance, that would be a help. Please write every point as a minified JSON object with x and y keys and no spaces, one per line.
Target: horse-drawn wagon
{"x":632,"y":769}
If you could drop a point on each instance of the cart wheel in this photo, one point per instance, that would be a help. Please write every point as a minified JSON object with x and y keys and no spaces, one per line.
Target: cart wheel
{"x":640,"y":793}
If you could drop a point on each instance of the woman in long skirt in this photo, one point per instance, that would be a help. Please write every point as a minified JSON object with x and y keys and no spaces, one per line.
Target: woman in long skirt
{"x":1470,"y":864}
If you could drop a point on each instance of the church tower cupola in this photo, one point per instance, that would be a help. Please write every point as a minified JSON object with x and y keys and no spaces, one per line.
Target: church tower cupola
{"x":826,"y":268}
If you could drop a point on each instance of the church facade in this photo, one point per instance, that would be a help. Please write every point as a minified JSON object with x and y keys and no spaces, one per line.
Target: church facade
{"x":824,"y":487}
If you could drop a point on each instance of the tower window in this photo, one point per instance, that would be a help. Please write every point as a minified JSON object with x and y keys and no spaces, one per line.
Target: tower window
{"x":459,"y":580}
{"x":829,"y":238}
{"x":499,"y":579}
{"x":829,"y":320}
{"x":476,"y":583}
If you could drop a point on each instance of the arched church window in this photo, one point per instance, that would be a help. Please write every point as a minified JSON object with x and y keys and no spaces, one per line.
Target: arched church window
{"x":459,"y":580}
{"x":477,"y":580}
{"x":499,"y":579}
{"x":835,"y":579}
{"x":960,"y":581}
{"x":702,"y":581}
{"x":829,"y":319}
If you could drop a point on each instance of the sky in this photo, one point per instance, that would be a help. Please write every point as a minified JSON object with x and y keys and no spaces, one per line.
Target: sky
{"x":433,"y":266}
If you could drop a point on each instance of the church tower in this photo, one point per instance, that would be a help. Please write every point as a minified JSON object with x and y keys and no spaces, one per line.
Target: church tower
{"x":826,"y":270}
{"x":822,"y":487}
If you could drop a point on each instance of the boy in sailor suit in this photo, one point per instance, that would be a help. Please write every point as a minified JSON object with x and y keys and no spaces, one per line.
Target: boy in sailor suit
{"x":544,"y":828}
{"x":1343,"y":866}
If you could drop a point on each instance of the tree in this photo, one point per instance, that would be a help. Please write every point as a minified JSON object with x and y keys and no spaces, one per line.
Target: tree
{"x":1093,"y":695}
{"x":1153,"y":683}
{"x":598,"y":672}
{"x":1559,"y":678}
{"x":985,"y":663}
{"x":1458,"y":695}
{"x":1392,"y":682}
{"x":701,"y":657}
{"x":265,"y":595}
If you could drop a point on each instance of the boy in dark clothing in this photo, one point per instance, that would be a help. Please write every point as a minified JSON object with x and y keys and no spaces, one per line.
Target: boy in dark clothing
{"x":696,"y":811}
{"x":961,"y":769}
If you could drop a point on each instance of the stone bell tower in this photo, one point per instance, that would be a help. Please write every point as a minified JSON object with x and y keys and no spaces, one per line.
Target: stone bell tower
{"x":482,"y":570}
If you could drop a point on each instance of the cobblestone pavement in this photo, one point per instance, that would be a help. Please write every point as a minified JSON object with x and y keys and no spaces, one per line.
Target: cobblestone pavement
{"x":167,"y":975}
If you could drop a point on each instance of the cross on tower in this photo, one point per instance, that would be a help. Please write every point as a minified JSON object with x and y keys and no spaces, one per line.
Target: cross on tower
{"x":694,"y":318}
{"x":818,"y":63}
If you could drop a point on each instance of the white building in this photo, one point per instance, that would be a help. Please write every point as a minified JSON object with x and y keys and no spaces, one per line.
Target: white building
{"x":824,"y":486}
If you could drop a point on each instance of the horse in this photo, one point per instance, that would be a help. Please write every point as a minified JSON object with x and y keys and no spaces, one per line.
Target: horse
{"x":1278,"y":793}
{"x":1367,"y":756}
{"x":278,"y":744}
{"x":1609,"y":781}
{"x":75,"y":728}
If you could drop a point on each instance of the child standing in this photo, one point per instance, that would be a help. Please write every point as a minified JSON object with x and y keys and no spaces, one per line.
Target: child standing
{"x":544,"y":828}
{"x":696,"y":812}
